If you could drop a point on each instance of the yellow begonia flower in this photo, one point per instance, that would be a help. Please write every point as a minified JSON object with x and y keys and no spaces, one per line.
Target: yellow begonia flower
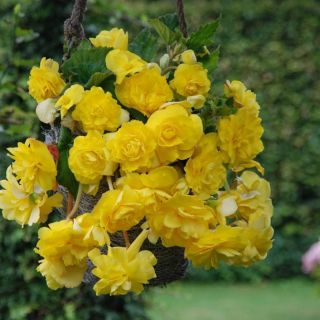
{"x":123,"y":63}
{"x":191,"y":80}
{"x":120,"y":210}
{"x":240,"y":139}
{"x":164,"y":181}
{"x":205,"y":172}
{"x":176,"y":131}
{"x":225,"y":243}
{"x":45,"y":81}
{"x":97,"y":110}
{"x":70,"y":98}
{"x":115,"y":38}
{"x":64,"y":247}
{"x":253,"y":195}
{"x":258,"y":234}
{"x":123,"y":269}
{"x":93,"y":232}
{"x":145,"y":91}
{"x":89,"y":158}
{"x":24,"y":207}
{"x":181,"y":220}
{"x":34,"y":166}
{"x":241,"y":96}
{"x":133,"y":146}
{"x":188,"y":57}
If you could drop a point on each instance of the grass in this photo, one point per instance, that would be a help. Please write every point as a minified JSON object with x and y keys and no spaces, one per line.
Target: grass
{"x":283,"y":300}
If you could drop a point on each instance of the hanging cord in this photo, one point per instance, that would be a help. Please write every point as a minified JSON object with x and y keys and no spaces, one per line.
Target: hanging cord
{"x":73,"y":29}
{"x":181,"y":18}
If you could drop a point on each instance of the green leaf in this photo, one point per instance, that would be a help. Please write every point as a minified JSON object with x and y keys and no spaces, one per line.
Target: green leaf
{"x":108,"y":84}
{"x":164,"y":31}
{"x":97,"y":78}
{"x":210,"y":62}
{"x":84,"y":62}
{"x":208,"y":118}
{"x":144,"y":45}
{"x":203,"y":36}
{"x":65,"y":176}
{"x":65,"y":138}
{"x":170,"y":20}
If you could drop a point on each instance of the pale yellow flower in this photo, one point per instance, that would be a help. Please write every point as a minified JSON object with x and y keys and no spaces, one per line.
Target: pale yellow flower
{"x":115,"y":38}
{"x":94,"y":234}
{"x":120,"y":210}
{"x":123,"y":270}
{"x":45,"y":81}
{"x":24,"y":207}
{"x":240,"y":139}
{"x":164,"y":181}
{"x":70,"y":98}
{"x":33,"y":165}
{"x":176,"y":132}
{"x":191,"y":80}
{"x":225,"y":243}
{"x":205,"y":172}
{"x":46,"y":111}
{"x":89,"y":158}
{"x":145,"y":91}
{"x":241,"y":96}
{"x":259,"y":234}
{"x":97,"y":110}
{"x":253,"y":195}
{"x":64,"y":247}
{"x":188,"y":57}
{"x":133,"y":146}
{"x":181,"y":220}
{"x":123,"y":63}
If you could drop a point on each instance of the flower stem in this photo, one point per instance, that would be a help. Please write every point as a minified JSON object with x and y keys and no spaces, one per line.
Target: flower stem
{"x":69,"y":201}
{"x":226,"y":185}
{"x":76,"y":204}
{"x":110,"y":184}
{"x":166,"y":70}
{"x":126,"y":238}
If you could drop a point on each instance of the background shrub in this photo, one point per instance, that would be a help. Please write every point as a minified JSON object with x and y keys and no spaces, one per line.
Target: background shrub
{"x":272,"y":46}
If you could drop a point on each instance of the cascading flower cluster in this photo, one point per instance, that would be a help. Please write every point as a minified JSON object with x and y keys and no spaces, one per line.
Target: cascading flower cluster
{"x":140,"y":128}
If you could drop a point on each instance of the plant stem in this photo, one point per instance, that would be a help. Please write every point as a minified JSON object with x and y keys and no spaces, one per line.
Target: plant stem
{"x":73,"y":29}
{"x":226,"y":185}
{"x":69,"y":202}
{"x":181,"y":18}
{"x":168,"y":69}
{"x":110,"y":184}
{"x":76,"y":204}
{"x":126,"y":238}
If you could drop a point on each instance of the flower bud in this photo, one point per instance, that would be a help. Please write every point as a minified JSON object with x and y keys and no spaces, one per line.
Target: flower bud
{"x":196,"y":101}
{"x":228,"y":206}
{"x":46,"y":111}
{"x":188,"y":57}
{"x":164,"y":61}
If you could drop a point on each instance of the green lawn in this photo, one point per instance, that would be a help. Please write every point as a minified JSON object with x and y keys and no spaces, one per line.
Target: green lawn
{"x":285,"y":300}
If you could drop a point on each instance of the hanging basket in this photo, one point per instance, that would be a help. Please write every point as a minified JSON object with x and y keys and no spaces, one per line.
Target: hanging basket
{"x":148,"y":166}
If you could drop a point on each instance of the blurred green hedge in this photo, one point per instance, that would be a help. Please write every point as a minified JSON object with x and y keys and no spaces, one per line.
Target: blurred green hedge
{"x":272,"y":46}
